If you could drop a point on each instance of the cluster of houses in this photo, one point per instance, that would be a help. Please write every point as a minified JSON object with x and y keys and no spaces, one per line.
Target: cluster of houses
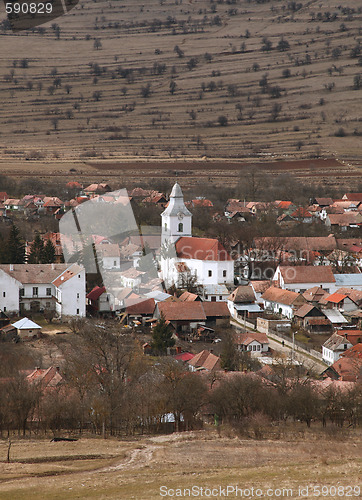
{"x":340,"y":215}
{"x":303,"y":287}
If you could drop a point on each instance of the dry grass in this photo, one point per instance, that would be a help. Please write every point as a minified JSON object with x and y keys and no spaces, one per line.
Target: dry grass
{"x":137,"y":468}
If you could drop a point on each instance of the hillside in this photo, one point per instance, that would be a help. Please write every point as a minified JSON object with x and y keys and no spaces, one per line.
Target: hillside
{"x":133,"y":79}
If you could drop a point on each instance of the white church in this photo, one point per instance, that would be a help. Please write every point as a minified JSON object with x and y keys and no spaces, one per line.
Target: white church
{"x":182,"y":255}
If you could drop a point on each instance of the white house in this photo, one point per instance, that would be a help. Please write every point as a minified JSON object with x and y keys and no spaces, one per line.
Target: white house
{"x":184,"y":257}
{"x":27,"y":329}
{"x":36,"y":287}
{"x":109,"y":255}
{"x":253,"y":342}
{"x":283,"y":302}
{"x":334,"y":347}
{"x":301,"y":278}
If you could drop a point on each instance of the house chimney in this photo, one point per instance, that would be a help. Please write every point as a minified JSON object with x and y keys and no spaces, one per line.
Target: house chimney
{"x":53,"y":266}
{"x":57,"y":369}
{"x":11,"y":267}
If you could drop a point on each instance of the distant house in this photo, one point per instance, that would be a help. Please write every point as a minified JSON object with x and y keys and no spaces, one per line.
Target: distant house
{"x":205,"y":361}
{"x":302,"y":215}
{"x":283,"y":302}
{"x":301,"y":278}
{"x":346,"y":368}
{"x":96,"y":189}
{"x":259,"y":288}
{"x":27,"y":329}
{"x":340,"y":301}
{"x":141,"y":309}
{"x":347,"y":220}
{"x":189,"y":297}
{"x":253,"y":342}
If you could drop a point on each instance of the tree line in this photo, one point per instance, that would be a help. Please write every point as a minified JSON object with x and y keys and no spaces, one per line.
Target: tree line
{"x":12,"y":250}
{"x":110,"y":387}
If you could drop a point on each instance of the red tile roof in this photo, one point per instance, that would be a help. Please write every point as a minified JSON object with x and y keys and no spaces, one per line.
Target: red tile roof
{"x":336,"y":298}
{"x":206,"y":360}
{"x":179,"y":311}
{"x":307,"y":274}
{"x":184,"y":356}
{"x":247,"y":337}
{"x":188,"y":297}
{"x":143,"y":307}
{"x":201,"y":249}
{"x":216,"y":309}
{"x":280,"y":296}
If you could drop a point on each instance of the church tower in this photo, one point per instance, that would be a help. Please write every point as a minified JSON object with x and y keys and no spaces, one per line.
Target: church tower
{"x":176,"y":219}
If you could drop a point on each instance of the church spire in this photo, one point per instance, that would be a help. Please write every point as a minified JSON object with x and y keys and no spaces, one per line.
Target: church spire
{"x":176,"y":218}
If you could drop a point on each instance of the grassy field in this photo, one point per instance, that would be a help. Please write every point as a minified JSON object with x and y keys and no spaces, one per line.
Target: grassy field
{"x":137,"y":468}
{"x":65,"y":101}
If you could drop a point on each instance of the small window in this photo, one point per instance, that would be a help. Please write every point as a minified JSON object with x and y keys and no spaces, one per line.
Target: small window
{"x":114,"y":263}
{"x":224,"y":273}
{"x":254,"y":347}
{"x":4,"y":294}
{"x":165,"y":226}
{"x":78,"y":275}
{"x":4,"y":309}
{"x":22,"y":292}
{"x":77,"y":295}
{"x":220,"y":297}
{"x":77,"y":311}
{"x":49,"y":291}
{"x":180,"y":227}
{"x":213,"y":299}
{"x":206,"y":296}
{"x":210,"y":272}
{"x":35,"y":291}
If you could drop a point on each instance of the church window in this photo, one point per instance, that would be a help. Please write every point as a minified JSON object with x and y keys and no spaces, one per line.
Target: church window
{"x":180,"y":227}
{"x":165,"y":226}
{"x":224,"y":273}
{"x":210,"y":272}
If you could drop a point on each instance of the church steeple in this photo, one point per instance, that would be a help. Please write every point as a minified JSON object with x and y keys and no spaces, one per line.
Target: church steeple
{"x":176,"y":218}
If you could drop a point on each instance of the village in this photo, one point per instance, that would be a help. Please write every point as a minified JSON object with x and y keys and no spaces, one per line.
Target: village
{"x":213,"y":306}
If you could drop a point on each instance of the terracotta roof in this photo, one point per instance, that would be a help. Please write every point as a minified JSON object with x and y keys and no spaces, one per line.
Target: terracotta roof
{"x":354,"y":352}
{"x":353,"y":336}
{"x":215,"y":309}
{"x":69,"y":273}
{"x":96,"y":292}
{"x":139,"y":192}
{"x":206,"y":360}
{"x":318,"y":321}
{"x":314,"y":294}
{"x":178,"y":311}
{"x":353,"y":196}
{"x":132,"y":272}
{"x":301,"y":212}
{"x":3,"y":196}
{"x":260,"y":286}
{"x":354,"y":295}
{"x":73,"y":185}
{"x":108,"y":250}
{"x":280,"y":296}
{"x":242,"y":294}
{"x":202,"y":203}
{"x":201,"y":249}
{"x":188,"y":297}
{"x":347,"y":368}
{"x":336,"y":298}
{"x":283,"y":205}
{"x":48,"y":377}
{"x":143,"y":307}
{"x":184,"y":356}
{"x":248,"y":337}
{"x":307,"y":274}
{"x":304,"y":310}
{"x":324,"y":201}
{"x":345,"y":219}
{"x":98,"y":188}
